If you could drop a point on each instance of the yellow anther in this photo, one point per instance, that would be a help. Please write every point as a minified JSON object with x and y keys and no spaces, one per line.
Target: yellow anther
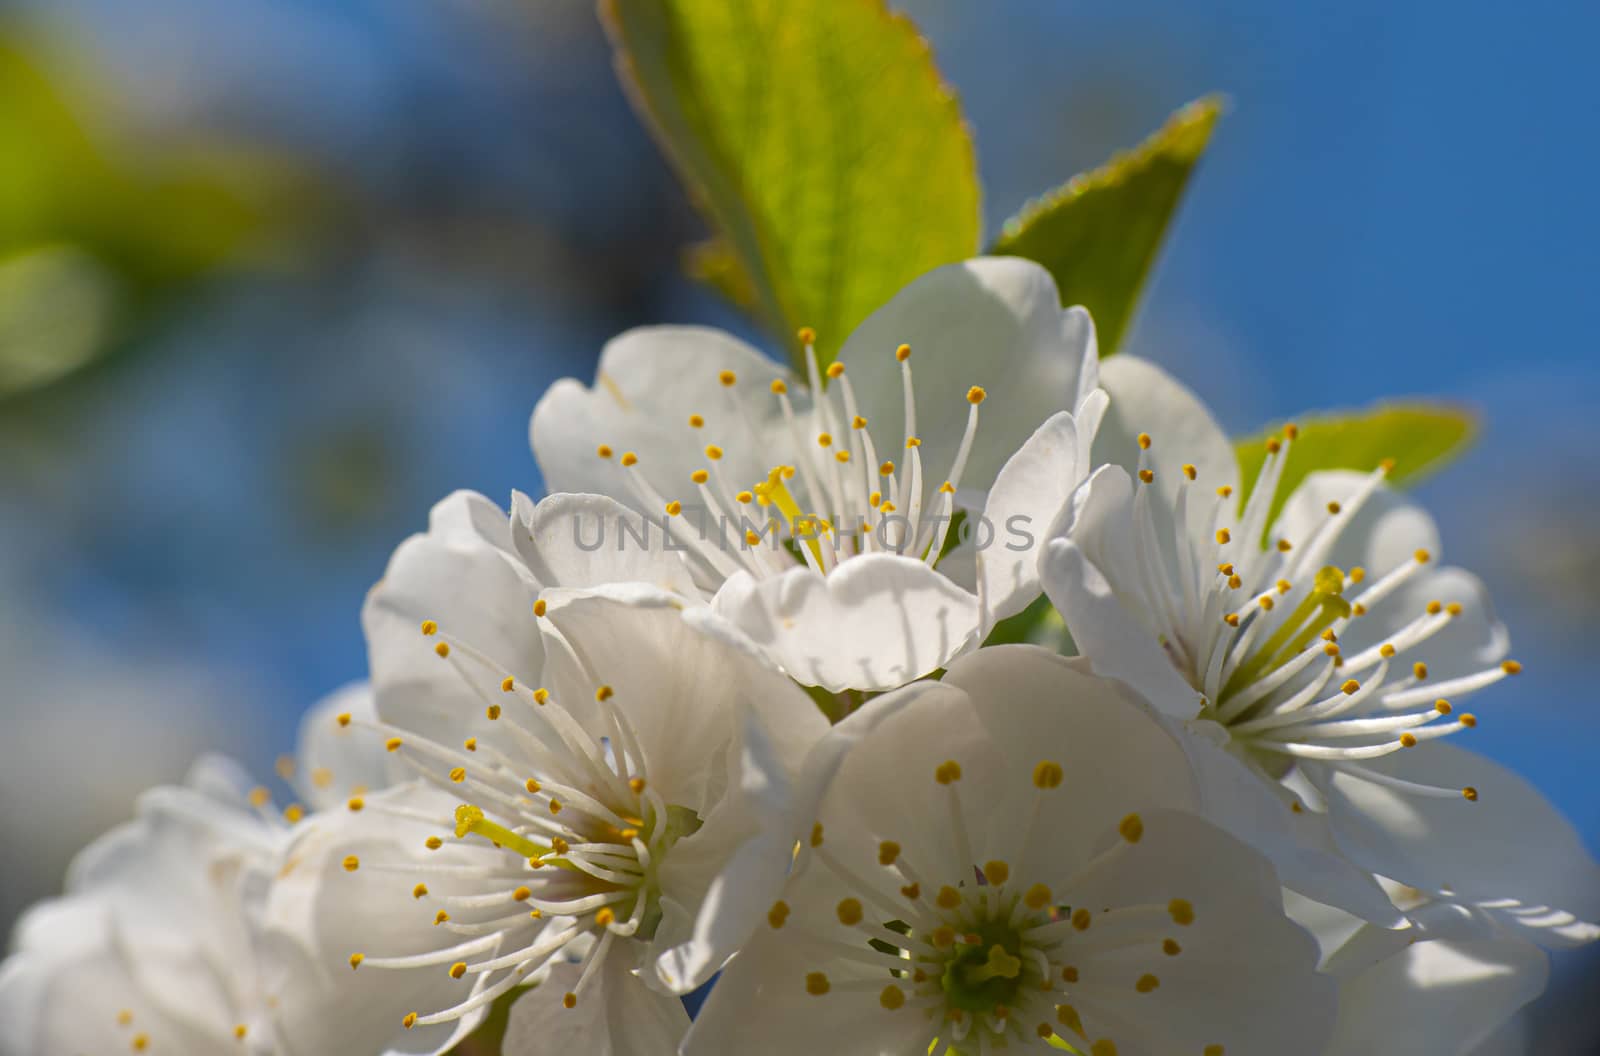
{"x":1144,"y":441}
{"x":569,"y":1000}
{"x":1225,"y":491}
{"x":1408,"y":740}
{"x":1266,"y":602}
{"x":1470,"y":794}
{"x":1284,"y":546}
{"x":1045,"y":1031}
{"x":1226,"y":568}
{"x":699,"y":476}
{"x":841,"y":456}
{"x":1334,"y":508}
{"x":752,"y":538}
{"x":807,"y":335}
{"x":1037,"y":897}
{"x":1511,"y":667}
{"x":260,"y":797}
{"x":636,"y":785}
{"x":1132,"y":828}
{"x":892,"y":997}
{"x":824,"y":439}
{"x":1068,"y":1017}
{"x":996,"y":872}
{"x":816,"y":834}
{"x":816,"y":984}
{"x":429,"y":627}
{"x":559,"y":845}
{"x":1453,"y":608}
{"x":1234,"y":582}
{"x":420,"y":891}
{"x":849,"y":911}
{"x":433,"y":843}
{"x":912,"y":891}
{"x":541,"y":695}
{"x":858,"y":422}
{"x":1386,"y":650}
{"x":356,"y":804}
{"x":1048,"y":774}
{"x":1435,"y":608}
{"x":1469,"y":720}
{"x":540,"y":607}
{"x":1357,"y":574}
{"x":947,"y":488}
{"x":1182,"y":912}
{"x":1349,"y":687}
{"x":351,"y":863}
{"x":240,"y":1031}
{"x":943,"y":937}
{"x":1284,"y":586}
{"x":555,"y":806}
{"x":947,"y":898}
{"x":903,"y":353}
{"x":1231,"y":619}
{"x":674,"y":508}
{"x":1274,"y":445}
{"x":744,"y":498}
{"x":1223,"y":535}
{"x":835,"y":370}
{"x":1170,"y":947}
{"x":1423,"y":557}
{"x":356,"y":959}
{"x":532,"y":786}
{"x":140,"y":1042}
{"x":947,"y":772}
{"x":604,"y":693}
{"x":1069,"y":974}
{"x":1146,"y":476}
{"x":1443,"y":707}
{"x":458,"y":969}
{"x":441,"y":917}
{"x":1081,"y":919}
{"x":886,"y":469}
{"x":1146,"y":983}
{"x":605,"y":917}
{"x":1331,"y":649}
{"x":888,"y":852}
{"x":442,"y":648}
{"x":293,"y":813}
{"x":1419,"y":670}
{"x":875,"y":499}
{"x":976,"y":395}
{"x":779,"y":387}
{"x":728,"y":378}
{"x":1103,"y":1047}
{"x":604,"y":451}
{"x":470,"y":744}
{"x":629,"y":458}
{"x":912,"y":441}
{"x":1358,"y":609}
{"x":458,"y":774}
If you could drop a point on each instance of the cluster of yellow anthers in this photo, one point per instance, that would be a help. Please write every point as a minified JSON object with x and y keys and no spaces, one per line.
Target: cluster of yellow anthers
{"x":836,"y":500}
{"x":1280,"y":680}
{"x":553,"y":860}
{"x":986,"y":955}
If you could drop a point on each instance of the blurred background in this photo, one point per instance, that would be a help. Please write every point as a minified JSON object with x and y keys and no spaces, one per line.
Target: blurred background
{"x":276,"y":275}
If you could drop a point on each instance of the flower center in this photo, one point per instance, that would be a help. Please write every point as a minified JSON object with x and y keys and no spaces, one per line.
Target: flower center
{"x":1256,"y":630}
{"x":836,"y":501}
{"x":558,"y":836}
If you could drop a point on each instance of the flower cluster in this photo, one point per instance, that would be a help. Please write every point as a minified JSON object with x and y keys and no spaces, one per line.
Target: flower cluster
{"x":725,"y":708}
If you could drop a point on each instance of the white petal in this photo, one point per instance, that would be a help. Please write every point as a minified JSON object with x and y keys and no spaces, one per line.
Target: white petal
{"x":1257,"y":810}
{"x":1511,"y":844}
{"x":1114,"y":641}
{"x":617,"y":1015}
{"x":1437,"y":998}
{"x":684,"y":682}
{"x":336,"y":758}
{"x":589,"y":540}
{"x":875,"y":622}
{"x":1246,"y":976}
{"x":996,"y":322}
{"x":649,"y":382}
{"x":1030,"y":494}
{"x":1117,"y":757}
{"x":462,"y":574}
{"x":1146,"y":399}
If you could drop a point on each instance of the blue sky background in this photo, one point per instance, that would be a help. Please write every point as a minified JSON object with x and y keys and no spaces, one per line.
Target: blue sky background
{"x":1399,"y":202}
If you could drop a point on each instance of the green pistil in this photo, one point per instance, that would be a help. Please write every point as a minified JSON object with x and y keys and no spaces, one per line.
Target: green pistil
{"x":987,"y":975}
{"x":1315,"y":614}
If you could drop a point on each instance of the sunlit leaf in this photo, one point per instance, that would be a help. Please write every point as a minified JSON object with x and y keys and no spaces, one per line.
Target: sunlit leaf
{"x":1420,"y":437}
{"x":1100,"y":232}
{"x":831,"y":161}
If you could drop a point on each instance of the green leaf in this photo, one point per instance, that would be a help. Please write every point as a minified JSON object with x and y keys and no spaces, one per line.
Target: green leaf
{"x":829,"y":158}
{"x":1420,"y":437}
{"x":1100,"y":232}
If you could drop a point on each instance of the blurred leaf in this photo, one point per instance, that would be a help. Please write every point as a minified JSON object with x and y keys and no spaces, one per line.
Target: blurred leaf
{"x":713,"y":263}
{"x":1420,"y":437}
{"x":831,"y":161}
{"x":69,"y":211}
{"x":1100,"y":232}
